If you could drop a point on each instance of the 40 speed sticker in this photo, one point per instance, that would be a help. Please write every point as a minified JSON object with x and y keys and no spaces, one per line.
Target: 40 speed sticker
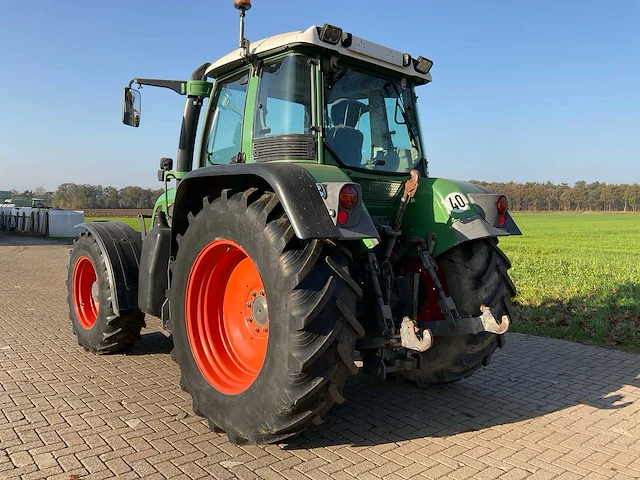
{"x":456,"y":202}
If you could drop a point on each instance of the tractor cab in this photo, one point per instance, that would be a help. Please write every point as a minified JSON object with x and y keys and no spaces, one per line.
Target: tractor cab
{"x":320,"y":96}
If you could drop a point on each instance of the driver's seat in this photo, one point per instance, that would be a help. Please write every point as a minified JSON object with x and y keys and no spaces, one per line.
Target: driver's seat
{"x":343,"y":137}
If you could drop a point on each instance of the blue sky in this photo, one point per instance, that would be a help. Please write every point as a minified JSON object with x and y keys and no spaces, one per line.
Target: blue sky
{"x":522,"y":90}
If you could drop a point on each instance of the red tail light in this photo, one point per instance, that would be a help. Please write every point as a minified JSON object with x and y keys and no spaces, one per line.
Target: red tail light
{"x":349,"y":197}
{"x":502,"y":205}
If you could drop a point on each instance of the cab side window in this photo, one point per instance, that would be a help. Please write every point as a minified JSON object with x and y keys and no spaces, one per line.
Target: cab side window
{"x":224,"y":129}
{"x":284,"y":97}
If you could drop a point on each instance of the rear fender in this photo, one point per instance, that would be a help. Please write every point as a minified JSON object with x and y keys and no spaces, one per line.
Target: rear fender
{"x":299,"y":189}
{"x":455,"y":212}
{"x":120,"y":245}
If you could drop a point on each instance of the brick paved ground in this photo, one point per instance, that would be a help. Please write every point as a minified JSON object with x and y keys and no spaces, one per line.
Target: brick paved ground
{"x":544,"y":409}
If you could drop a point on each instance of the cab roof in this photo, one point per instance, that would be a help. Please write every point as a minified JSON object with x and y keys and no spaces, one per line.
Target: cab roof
{"x":356,"y":48}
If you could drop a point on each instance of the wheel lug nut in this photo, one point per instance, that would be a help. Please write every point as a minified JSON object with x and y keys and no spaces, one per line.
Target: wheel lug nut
{"x":262,"y":292}
{"x":265,"y":329}
{"x":256,"y":329}
{"x":253,"y":294}
{"x":249,"y":319}
{"x":248,"y":304}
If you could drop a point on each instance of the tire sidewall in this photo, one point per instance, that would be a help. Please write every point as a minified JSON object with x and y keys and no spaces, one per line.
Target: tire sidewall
{"x":264,"y":399}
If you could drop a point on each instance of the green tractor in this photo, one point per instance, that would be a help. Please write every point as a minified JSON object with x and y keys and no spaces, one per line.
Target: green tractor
{"x":302,"y":235}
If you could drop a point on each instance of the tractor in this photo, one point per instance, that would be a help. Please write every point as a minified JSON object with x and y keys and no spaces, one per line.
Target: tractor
{"x":299,"y":239}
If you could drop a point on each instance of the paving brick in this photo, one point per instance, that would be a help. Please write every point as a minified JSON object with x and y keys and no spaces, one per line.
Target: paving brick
{"x":45,"y":460}
{"x":438,"y":471}
{"x":544,"y":408}
{"x":21,"y":459}
{"x":93,"y":464}
{"x":490,"y":473}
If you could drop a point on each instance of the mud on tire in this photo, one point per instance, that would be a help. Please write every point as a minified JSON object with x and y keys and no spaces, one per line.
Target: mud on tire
{"x":476,"y":274}
{"x":311,"y":315}
{"x":97,"y":327}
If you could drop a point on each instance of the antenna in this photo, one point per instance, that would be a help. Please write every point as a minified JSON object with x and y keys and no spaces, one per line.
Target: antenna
{"x":243,"y":6}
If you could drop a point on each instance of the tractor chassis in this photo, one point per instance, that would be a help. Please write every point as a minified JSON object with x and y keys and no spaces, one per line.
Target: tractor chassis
{"x":396,"y":347}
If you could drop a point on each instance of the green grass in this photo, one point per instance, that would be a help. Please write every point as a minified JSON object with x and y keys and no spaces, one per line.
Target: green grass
{"x":133,"y":221}
{"x":578,"y":277}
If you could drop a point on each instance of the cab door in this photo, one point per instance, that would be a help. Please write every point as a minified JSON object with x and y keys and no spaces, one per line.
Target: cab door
{"x":222,"y":138}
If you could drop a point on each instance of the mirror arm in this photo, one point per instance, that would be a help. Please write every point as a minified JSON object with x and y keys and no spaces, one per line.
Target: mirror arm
{"x":175,"y":85}
{"x":199,"y":73}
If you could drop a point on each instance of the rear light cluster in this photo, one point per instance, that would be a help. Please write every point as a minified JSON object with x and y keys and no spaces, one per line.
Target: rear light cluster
{"x":348,"y":200}
{"x":348,"y":197}
{"x":502,"y":205}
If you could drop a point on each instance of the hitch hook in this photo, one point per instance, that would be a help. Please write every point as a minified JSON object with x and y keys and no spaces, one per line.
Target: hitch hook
{"x":409,"y":335}
{"x":490,"y":324}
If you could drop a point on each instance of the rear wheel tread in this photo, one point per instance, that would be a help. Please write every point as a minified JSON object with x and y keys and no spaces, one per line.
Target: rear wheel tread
{"x":306,"y":305}
{"x":314,"y":349}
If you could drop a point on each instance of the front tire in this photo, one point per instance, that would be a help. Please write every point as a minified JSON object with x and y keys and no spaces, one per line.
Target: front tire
{"x":97,"y":327}
{"x":239,"y":268}
{"x":475,"y":274}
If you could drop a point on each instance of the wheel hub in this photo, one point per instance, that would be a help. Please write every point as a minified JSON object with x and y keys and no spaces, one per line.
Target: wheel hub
{"x":260,"y":310}
{"x":95,"y":292}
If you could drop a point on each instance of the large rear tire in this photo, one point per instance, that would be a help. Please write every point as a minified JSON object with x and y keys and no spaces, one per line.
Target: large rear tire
{"x":264,"y":324}
{"x":98,"y":328}
{"x":475,"y":274}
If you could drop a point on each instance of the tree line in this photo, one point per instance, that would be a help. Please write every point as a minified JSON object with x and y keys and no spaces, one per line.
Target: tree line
{"x":74,"y":196}
{"x":530,"y":196}
{"x":583,"y":196}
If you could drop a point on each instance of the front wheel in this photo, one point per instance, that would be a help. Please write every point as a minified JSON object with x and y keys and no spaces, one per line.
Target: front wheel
{"x":263,"y":323}
{"x":475,"y":274}
{"x":97,"y":327}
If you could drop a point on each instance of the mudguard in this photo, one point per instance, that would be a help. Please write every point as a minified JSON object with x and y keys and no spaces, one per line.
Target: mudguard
{"x":296,"y":187}
{"x":455,"y":212}
{"x":120,"y":245}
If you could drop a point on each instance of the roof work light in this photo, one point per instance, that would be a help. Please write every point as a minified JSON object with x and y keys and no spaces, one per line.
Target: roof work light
{"x":423,"y":65}
{"x":330,"y":34}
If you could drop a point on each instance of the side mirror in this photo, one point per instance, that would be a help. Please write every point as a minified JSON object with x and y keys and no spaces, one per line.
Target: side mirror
{"x":131,"y":103}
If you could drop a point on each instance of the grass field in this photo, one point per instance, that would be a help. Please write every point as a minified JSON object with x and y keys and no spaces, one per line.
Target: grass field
{"x":133,"y":221}
{"x":578,"y":276}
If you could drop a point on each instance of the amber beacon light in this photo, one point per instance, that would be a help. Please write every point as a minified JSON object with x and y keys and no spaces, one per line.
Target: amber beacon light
{"x":242,"y":4}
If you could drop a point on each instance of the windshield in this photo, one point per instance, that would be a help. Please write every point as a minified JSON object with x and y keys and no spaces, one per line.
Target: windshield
{"x":370,"y":122}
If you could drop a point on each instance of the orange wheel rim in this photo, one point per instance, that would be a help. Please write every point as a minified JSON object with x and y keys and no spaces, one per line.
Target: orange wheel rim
{"x":226,"y":316}
{"x":85,"y":292}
